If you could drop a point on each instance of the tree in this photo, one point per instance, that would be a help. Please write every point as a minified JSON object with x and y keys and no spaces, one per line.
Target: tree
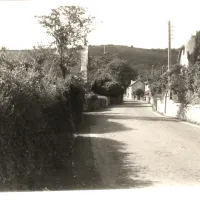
{"x":104,"y":84}
{"x":139,"y":92}
{"x":98,"y":63}
{"x":121,"y":71}
{"x":69,"y":27}
{"x":114,"y":78}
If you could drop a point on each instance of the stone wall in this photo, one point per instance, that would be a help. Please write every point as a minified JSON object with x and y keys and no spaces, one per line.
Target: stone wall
{"x":186,"y":112}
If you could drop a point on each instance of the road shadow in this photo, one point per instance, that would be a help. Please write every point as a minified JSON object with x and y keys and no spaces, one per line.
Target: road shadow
{"x":108,"y":166}
{"x":110,"y":122}
{"x":96,"y":162}
{"x":132,"y":104}
{"x":92,"y":169}
{"x":92,"y":120}
{"x":143,"y":118}
{"x":124,"y":104}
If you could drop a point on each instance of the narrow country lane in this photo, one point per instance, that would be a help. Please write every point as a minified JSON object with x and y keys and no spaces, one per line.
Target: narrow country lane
{"x":130,"y":146}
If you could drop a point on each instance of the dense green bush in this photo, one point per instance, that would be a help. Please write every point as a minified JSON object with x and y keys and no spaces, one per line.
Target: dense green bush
{"x":37,"y":120}
{"x":94,"y":102}
{"x":159,"y":84}
{"x":184,"y":84}
{"x":113,"y":89}
{"x":121,"y":72}
{"x":179,"y":87}
{"x":113,"y":78}
{"x":90,"y":101}
{"x":102,"y":101}
{"x":139,"y":92}
{"x":91,"y":96}
{"x":105,"y":85}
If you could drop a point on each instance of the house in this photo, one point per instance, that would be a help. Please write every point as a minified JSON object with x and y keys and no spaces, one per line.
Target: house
{"x":185,"y":51}
{"x":135,"y":85}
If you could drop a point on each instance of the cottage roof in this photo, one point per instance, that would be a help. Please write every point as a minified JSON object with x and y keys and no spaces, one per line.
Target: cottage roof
{"x":133,"y":82}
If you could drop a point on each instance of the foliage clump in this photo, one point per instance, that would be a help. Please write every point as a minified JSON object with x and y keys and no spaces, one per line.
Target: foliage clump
{"x":114,"y":78}
{"x":184,"y":84}
{"x":41,"y":103}
{"x":39,"y":114}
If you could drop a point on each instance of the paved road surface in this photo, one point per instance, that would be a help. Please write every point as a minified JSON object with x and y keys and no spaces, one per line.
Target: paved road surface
{"x":130,"y":146}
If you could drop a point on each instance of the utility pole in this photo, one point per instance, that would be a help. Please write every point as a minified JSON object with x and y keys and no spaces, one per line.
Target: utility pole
{"x":169,"y":50}
{"x":104,"y":49}
{"x":169,"y":65}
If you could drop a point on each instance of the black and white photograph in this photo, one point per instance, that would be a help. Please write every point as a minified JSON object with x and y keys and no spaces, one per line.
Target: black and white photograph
{"x":99,"y":95}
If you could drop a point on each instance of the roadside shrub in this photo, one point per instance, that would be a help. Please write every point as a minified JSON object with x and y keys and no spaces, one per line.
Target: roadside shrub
{"x":179,"y":87}
{"x":113,"y":89}
{"x":121,"y":71}
{"x":112,"y":79}
{"x":91,"y":96}
{"x":139,"y":92}
{"x":103,"y":101}
{"x":90,"y":100}
{"x":107,"y":88}
{"x":94,"y":102}
{"x":37,"y":121}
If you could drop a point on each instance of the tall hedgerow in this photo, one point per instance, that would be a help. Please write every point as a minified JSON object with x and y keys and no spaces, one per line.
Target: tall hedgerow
{"x":37,"y":121}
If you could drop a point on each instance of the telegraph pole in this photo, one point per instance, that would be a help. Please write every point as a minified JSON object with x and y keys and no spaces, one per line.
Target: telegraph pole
{"x":169,"y":50}
{"x":169,"y":64}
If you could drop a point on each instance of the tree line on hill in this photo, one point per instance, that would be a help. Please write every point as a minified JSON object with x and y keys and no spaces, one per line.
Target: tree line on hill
{"x":141,"y":60}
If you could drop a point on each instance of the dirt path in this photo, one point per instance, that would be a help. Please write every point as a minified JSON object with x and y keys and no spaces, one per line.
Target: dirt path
{"x":130,"y":146}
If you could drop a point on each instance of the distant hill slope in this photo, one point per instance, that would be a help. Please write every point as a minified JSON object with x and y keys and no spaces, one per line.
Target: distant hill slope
{"x":138,"y":58}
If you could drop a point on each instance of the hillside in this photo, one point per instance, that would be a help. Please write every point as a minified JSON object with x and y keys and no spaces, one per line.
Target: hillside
{"x":138,"y":58}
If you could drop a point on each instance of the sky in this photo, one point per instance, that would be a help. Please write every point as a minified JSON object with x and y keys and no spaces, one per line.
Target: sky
{"x":141,"y":23}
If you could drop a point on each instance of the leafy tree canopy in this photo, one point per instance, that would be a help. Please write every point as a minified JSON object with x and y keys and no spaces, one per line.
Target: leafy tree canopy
{"x":68,"y":26}
{"x":121,"y":71}
{"x":114,"y":78}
